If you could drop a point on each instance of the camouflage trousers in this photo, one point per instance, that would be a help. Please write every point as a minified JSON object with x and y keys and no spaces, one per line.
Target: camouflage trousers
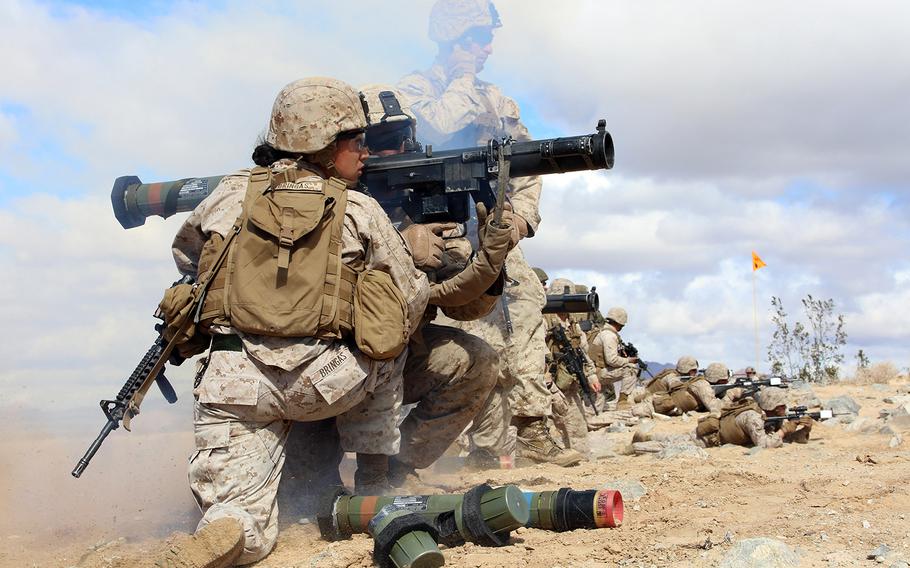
{"x":522,"y":353}
{"x":569,"y":418}
{"x":240,"y":442}
{"x":448,"y":375}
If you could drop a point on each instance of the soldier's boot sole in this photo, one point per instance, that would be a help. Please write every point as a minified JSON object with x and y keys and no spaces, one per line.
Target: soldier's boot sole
{"x":216,"y":545}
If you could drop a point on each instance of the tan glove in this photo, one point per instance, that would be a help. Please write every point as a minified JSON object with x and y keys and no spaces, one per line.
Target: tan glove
{"x":787,"y":427}
{"x":519,"y":230}
{"x":484,"y":269}
{"x":509,"y":218}
{"x":426,"y":244}
{"x":460,"y":62}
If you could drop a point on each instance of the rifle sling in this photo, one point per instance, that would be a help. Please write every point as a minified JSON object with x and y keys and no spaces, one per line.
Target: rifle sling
{"x":132,"y":407}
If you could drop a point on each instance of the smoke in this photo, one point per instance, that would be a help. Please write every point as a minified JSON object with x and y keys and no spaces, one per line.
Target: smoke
{"x":136,"y":487}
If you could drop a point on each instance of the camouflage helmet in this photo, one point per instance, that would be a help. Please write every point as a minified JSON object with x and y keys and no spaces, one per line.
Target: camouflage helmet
{"x":310,"y":113}
{"x":391,"y":120}
{"x":581,"y":289}
{"x":618,"y":315}
{"x":541,"y":275}
{"x":771,"y":397}
{"x":716,"y":372}
{"x":559,"y":285}
{"x":686,"y":364}
{"x":750,"y":370}
{"x":386,"y":104}
{"x":449,"y":19}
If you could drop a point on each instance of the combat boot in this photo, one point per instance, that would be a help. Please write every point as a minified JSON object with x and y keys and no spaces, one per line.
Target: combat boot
{"x":623,"y":402}
{"x":372,"y":475}
{"x":216,"y":545}
{"x":536,"y":444}
{"x":481,"y":459}
{"x":400,"y":473}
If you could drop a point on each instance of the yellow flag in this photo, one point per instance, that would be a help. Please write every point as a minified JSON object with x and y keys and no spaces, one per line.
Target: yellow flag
{"x":757,"y":262}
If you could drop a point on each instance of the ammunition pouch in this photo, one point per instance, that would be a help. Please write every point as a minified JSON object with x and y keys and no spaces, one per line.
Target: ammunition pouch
{"x":380,"y":316}
{"x":175,"y":308}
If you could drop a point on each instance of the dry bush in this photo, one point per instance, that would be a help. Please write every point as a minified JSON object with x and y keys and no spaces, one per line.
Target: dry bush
{"x":879,"y":373}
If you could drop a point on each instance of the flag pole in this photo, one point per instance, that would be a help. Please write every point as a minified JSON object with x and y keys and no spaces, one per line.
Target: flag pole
{"x":755,"y":316}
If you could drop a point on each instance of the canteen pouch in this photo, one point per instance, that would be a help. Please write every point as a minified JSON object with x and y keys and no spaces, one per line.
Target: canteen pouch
{"x":380,"y":316}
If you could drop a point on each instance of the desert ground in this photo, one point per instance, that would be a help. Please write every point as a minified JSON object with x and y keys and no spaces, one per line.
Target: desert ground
{"x":840,"y":500}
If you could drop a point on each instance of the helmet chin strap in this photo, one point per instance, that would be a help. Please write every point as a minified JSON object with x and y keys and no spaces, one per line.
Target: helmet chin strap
{"x":323,"y":159}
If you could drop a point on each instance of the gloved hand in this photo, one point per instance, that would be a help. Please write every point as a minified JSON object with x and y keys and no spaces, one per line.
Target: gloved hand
{"x":484,"y":220}
{"x":519,"y":230}
{"x":460,"y":62}
{"x":483,"y":270}
{"x":426,"y":244}
{"x":787,"y":427}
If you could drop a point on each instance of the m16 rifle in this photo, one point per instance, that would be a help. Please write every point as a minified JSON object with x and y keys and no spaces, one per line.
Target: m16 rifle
{"x":629,"y":350}
{"x":573,"y":358}
{"x":772,"y":423}
{"x":749,"y":387}
{"x":430,"y":186}
{"x":125,"y":405}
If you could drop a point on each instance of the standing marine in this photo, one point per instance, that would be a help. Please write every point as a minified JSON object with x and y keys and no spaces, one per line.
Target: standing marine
{"x":456,"y":109}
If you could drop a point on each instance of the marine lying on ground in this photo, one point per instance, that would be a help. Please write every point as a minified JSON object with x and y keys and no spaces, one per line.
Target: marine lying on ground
{"x":430,"y":186}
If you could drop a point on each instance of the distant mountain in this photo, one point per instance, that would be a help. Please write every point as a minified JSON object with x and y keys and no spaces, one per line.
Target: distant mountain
{"x":658,"y":367}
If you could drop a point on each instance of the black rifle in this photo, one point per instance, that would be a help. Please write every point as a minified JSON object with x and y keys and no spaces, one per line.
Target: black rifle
{"x":749,"y":386}
{"x":428,"y":185}
{"x":574,"y":360}
{"x":572,"y":303}
{"x":120,"y":409}
{"x":772,"y":423}
{"x":629,"y":350}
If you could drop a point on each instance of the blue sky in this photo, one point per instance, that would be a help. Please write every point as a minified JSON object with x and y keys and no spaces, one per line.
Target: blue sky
{"x":726,"y":142}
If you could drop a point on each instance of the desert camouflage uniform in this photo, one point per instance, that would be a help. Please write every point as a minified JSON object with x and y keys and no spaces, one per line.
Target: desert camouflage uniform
{"x":616,"y":369}
{"x":569,"y":417}
{"x":462,"y":113}
{"x":753,"y":424}
{"x":246,"y":400}
{"x":664,"y":383}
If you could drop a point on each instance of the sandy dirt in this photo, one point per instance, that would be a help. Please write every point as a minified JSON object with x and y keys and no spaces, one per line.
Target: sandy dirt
{"x":831,"y":501}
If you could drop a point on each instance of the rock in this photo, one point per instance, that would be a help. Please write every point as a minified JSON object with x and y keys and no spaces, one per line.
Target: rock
{"x":617,"y":427}
{"x":682,"y":451}
{"x":880,"y":550}
{"x":880,"y":387}
{"x":902,"y":410}
{"x":864,"y":425}
{"x":867,"y":524}
{"x":760,"y":553}
{"x":800,"y":393}
{"x":632,"y":490}
{"x":896,"y":441}
{"x":843,"y":405}
{"x":652,"y":447}
{"x":754,"y":451}
{"x":900,"y":422}
{"x":900,"y":564}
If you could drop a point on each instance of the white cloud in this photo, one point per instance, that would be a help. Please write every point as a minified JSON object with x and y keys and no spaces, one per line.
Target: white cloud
{"x":737,"y":126}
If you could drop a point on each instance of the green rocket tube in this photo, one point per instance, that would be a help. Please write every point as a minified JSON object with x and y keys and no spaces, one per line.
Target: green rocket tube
{"x":133,"y":200}
{"x":483,"y":515}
